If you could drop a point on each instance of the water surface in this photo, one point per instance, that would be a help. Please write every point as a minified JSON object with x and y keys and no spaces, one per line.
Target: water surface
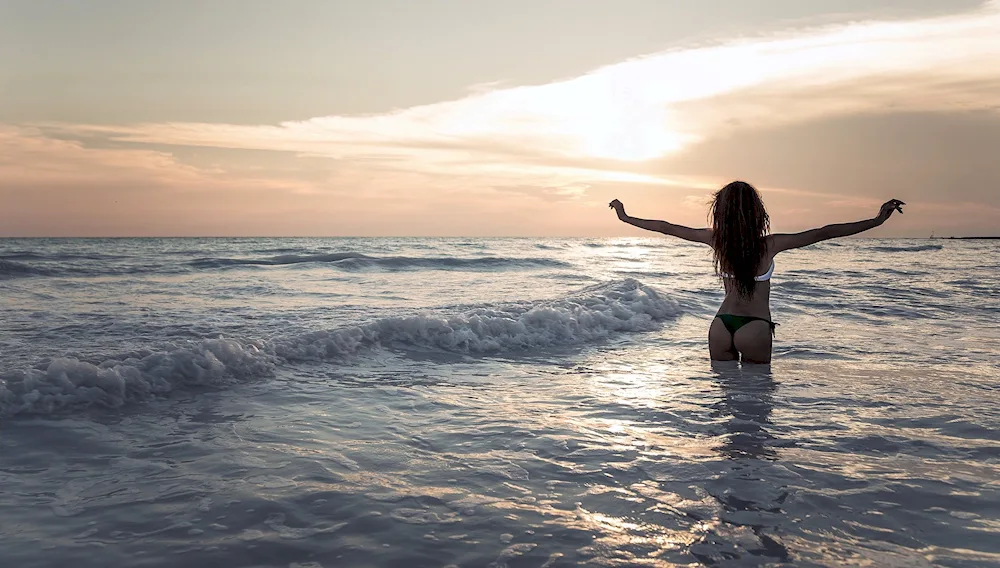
{"x":476,"y":402}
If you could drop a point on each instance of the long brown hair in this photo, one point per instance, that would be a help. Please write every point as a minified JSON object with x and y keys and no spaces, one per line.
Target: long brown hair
{"x":740,"y":225}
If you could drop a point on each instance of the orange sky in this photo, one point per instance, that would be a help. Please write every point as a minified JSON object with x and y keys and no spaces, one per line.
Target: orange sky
{"x":828,"y":116}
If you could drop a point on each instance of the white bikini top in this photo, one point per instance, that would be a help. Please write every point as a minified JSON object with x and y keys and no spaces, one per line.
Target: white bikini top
{"x":762,"y":278}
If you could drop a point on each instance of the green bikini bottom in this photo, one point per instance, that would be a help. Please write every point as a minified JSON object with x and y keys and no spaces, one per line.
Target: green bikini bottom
{"x":733,"y":323}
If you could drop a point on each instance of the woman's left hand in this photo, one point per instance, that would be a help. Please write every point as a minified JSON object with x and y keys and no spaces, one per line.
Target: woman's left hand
{"x":618,"y":207}
{"x":888,"y":208}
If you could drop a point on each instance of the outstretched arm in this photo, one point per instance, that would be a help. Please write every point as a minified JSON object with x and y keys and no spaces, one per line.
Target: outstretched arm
{"x":797,"y":240}
{"x":680,"y":231}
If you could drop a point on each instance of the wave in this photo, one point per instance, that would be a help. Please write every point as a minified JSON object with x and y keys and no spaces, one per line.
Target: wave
{"x":913,"y":248}
{"x":57,"y":256}
{"x":346,"y":261}
{"x":11,"y":269}
{"x":355,"y":262}
{"x":278,"y":250}
{"x":897,"y":272}
{"x":592,"y":314}
{"x":273,"y":261}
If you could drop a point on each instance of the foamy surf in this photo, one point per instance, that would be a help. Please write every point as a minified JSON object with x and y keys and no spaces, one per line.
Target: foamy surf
{"x":592,"y":314}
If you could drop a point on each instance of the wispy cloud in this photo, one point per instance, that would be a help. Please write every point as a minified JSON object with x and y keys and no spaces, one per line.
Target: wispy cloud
{"x":30,"y":159}
{"x":591,"y":128}
{"x":540,"y":159}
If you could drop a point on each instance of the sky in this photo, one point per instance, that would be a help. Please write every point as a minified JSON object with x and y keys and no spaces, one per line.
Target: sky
{"x":489,"y":118}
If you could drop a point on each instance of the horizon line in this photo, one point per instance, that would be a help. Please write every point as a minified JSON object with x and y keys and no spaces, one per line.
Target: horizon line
{"x":422,"y":237}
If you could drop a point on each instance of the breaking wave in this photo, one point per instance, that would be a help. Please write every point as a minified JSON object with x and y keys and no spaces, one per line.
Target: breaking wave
{"x":592,"y":314}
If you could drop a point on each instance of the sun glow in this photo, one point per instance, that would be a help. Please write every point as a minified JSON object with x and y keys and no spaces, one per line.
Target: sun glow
{"x":640,"y":125}
{"x":645,"y":108}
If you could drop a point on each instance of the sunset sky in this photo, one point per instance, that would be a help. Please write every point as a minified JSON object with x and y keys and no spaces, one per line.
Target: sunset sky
{"x":477,"y":117}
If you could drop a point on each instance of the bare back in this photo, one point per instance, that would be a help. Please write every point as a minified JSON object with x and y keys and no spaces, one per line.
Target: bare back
{"x":753,"y":339}
{"x":759,"y":304}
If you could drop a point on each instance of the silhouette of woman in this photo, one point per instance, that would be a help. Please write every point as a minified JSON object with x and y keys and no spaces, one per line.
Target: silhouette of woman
{"x":744,"y":260}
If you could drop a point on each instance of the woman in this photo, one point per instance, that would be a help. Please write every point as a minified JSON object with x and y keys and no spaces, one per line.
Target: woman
{"x":744,"y":259}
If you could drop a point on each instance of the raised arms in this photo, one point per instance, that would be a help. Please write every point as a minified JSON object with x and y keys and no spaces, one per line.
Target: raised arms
{"x":680,"y":231}
{"x":782,"y":242}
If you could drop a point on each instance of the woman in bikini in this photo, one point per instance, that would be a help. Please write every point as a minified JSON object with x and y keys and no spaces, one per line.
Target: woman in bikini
{"x":744,"y":260}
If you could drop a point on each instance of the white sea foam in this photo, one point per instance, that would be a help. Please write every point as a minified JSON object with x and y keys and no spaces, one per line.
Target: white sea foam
{"x":68,"y":382}
{"x":592,"y":314}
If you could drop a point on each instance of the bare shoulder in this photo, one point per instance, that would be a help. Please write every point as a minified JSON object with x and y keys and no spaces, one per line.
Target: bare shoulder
{"x":708,"y":236}
{"x":773,"y":244}
{"x":784,"y":241}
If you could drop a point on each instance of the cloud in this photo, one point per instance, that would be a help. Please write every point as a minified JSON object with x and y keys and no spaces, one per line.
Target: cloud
{"x":27,"y":156}
{"x":645,"y":108}
{"x":931,"y":157}
{"x":54,"y":187}
{"x":544,"y":159}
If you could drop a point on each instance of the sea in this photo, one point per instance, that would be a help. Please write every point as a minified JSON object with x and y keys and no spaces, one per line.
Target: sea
{"x":518,"y":402}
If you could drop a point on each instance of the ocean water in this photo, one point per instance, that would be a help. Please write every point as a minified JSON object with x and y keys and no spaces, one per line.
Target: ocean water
{"x":492,"y":402}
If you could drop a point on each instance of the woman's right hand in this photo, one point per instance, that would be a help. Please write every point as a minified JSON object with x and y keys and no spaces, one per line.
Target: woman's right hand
{"x":618,"y":207}
{"x":888,"y":208}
